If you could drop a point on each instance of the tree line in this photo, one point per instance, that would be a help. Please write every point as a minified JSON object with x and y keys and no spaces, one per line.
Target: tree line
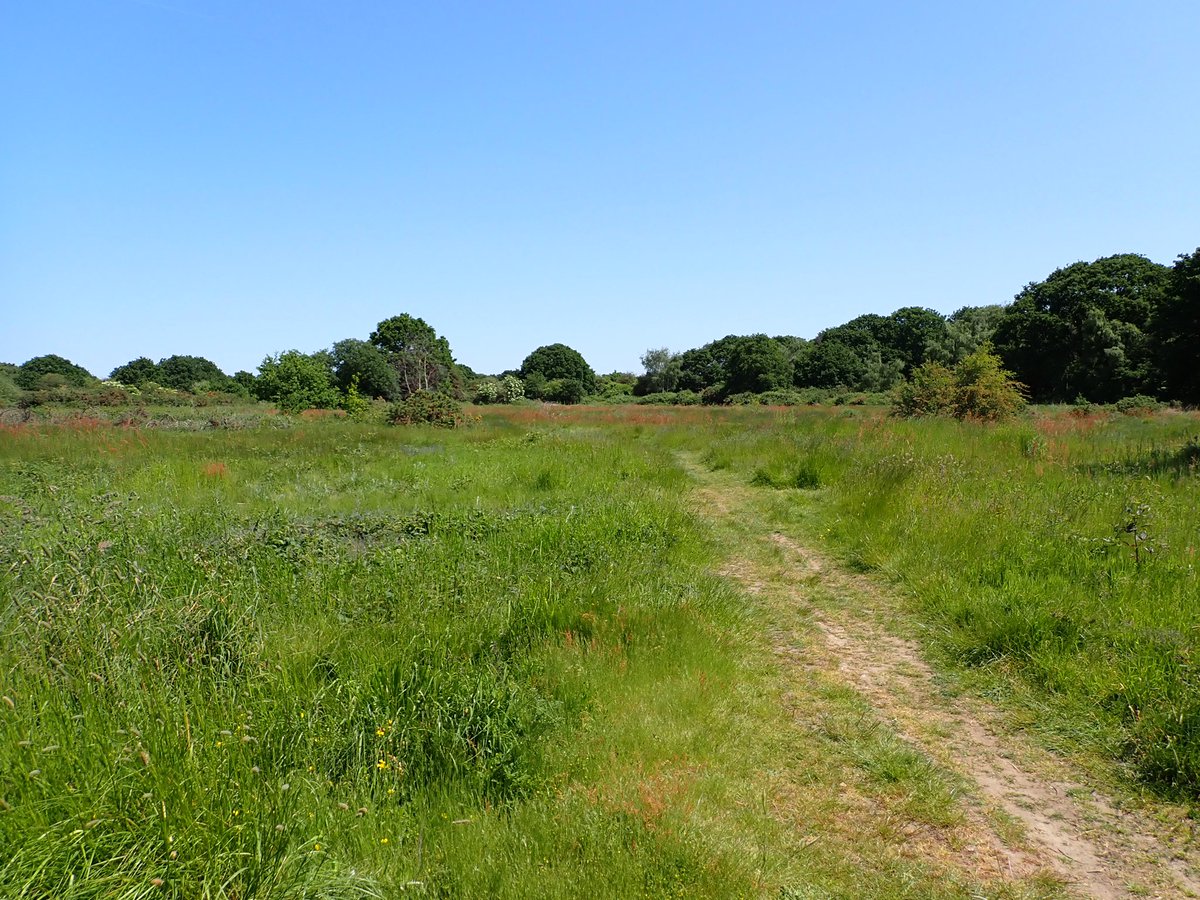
{"x":1097,"y":331}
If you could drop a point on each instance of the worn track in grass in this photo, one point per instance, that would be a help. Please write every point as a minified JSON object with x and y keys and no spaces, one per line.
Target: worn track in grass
{"x":1056,"y":824}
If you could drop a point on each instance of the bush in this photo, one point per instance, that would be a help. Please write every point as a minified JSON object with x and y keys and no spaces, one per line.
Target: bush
{"x":32,"y":372}
{"x":977,"y":388}
{"x":1138,"y":405}
{"x":563,"y":390}
{"x":427,"y":408}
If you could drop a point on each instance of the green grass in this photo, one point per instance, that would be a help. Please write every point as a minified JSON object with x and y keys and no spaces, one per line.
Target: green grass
{"x":328,"y":659}
{"x":1056,"y":554}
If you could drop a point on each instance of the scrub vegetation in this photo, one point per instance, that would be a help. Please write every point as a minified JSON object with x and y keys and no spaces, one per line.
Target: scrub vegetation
{"x":321,"y":657}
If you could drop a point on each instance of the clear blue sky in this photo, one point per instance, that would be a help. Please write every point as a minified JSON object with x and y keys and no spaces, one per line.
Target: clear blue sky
{"x":232,"y":178}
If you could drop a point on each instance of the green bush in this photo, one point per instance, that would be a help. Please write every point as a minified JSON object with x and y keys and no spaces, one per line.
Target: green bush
{"x":427,"y":408}
{"x":32,"y":372}
{"x":1138,"y":404}
{"x":563,"y":390}
{"x":977,"y":388}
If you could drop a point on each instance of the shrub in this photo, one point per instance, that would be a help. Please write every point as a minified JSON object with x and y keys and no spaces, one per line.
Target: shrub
{"x":427,"y":408}
{"x":563,"y":390}
{"x":1138,"y":404}
{"x":32,"y":372}
{"x":295,"y":381}
{"x":977,"y":388}
{"x":487,"y":391}
{"x":929,"y":393}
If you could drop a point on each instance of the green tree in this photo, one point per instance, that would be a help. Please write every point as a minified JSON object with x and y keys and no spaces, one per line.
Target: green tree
{"x":1175,"y":332}
{"x":183,"y":373}
{"x":662,"y":372}
{"x":556,"y":362}
{"x":913,"y":333}
{"x":31,"y":372}
{"x":1082,"y":330}
{"x":136,"y":372}
{"x":967,"y":329}
{"x":420,"y":357}
{"x":296,"y":381}
{"x":354,"y":359}
{"x":757,"y":363}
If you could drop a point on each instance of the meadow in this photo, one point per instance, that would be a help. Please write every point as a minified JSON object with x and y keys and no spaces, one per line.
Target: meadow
{"x":281,"y":657}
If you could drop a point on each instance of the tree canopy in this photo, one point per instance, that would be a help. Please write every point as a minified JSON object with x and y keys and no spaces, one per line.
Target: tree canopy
{"x":559,"y":362}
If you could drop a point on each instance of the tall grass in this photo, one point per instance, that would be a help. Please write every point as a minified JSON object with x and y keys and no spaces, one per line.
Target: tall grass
{"x":1058,"y":550}
{"x":338,"y":661}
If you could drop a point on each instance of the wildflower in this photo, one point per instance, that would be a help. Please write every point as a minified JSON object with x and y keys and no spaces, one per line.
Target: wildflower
{"x":379,"y":732}
{"x":381,"y":765}
{"x":316,"y":847}
{"x":383,"y":840}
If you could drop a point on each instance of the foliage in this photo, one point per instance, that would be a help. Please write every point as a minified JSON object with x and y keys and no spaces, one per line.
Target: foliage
{"x":563,"y":390}
{"x":977,"y":388}
{"x":57,"y":369}
{"x":1082,"y":330}
{"x":427,"y":408}
{"x":930,"y":392}
{"x":296,"y":381}
{"x":1138,"y":404}
{"x":662,"y":372}
{"x":364,"y":363}
{"x":137,"y":372}
{"x":357,"y":406}
{"x":508,"y":389}
{"x":757,"y":363}
{"x":184,"y":373}
{"x":1175,"y":332}
{"x":420,"y":357}
{"x":559,"y":362}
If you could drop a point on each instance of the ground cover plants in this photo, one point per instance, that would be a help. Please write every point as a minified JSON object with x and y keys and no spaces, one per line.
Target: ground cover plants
{"x":286,"y":656}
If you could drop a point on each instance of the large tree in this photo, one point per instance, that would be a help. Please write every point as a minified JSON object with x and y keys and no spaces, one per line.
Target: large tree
{"x":420,"y":357}
{"x":136,"y":372}
{"x":661,"y":372}
{"x":183,"y":373}
{"x":362,"y":360}
{"x":1175,"y":332}
{"x":558,"y":361}
{"x":1082,"y":330}
{"x":757,"y":363}
{"x":31,"y":373}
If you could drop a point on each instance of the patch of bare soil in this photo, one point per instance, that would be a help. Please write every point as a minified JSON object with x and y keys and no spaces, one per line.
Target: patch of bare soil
{"x":1065,"y":827}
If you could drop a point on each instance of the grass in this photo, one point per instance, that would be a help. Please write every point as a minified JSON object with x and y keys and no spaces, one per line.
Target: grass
{"x":288,"y":658}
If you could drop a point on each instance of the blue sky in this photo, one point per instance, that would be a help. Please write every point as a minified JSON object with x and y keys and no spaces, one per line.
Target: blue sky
{"x":234,"y":178}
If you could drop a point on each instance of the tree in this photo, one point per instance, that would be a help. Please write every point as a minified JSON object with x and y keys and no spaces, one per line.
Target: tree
{"x":558,"y":361}
{"x":860,"y":355}
{"x":662,"y":372}
{"x":914,"y":331}
{"x":136,"y":372}
{"x":757,"y":363}
{"x":183,"y":373}
{"x":1082,"y":330}
{"x":967,"y":329}
{"x":1175,"y":332}
{"x":376,"y":376}
{"x":420,"y":357}
{"x":296,"y":381}
{"x":31,"y":372}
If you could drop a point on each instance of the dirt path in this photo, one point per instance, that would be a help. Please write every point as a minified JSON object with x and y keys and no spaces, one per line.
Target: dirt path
{"x":1058,"y":825}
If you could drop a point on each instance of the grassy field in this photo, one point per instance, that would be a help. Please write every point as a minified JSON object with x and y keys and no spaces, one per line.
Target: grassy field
{"x":330,"y":659}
